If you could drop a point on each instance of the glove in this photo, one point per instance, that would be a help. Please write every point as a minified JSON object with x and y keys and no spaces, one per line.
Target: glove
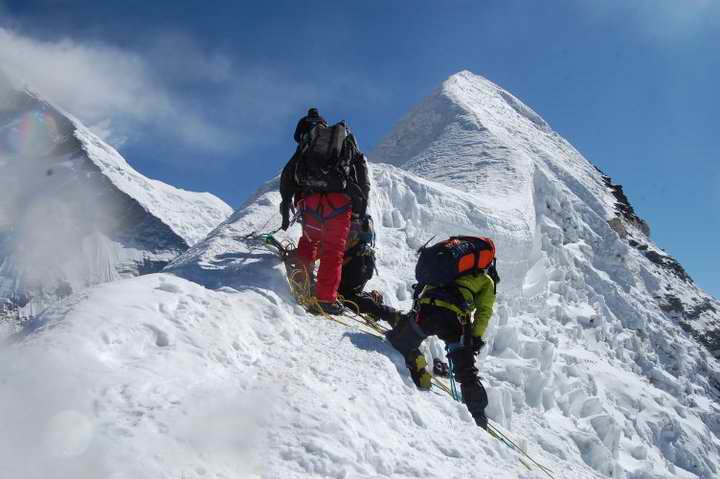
{"x":477,"y":344}
{"x":285,"y":212}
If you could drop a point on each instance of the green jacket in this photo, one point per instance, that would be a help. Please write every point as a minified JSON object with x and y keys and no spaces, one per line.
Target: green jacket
{"x":478,"y":290}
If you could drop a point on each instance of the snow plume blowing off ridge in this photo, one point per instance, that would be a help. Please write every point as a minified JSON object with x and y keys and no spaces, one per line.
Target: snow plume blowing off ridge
{"x":73,"y":213}
{"x":43,"y":218}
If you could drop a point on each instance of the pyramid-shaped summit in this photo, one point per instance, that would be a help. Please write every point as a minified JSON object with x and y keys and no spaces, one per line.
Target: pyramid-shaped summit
{"x":467,"y":122}
{"x":463,"y":106}
{"x":474,"y":136}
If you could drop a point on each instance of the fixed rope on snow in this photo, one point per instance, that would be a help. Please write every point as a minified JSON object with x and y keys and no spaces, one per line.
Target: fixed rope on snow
{"x":303,"y":295}
{"x":495,"y":432}
{"x":453,"y":392}
{"x":268,"y":239}
{"x":363,"y":318}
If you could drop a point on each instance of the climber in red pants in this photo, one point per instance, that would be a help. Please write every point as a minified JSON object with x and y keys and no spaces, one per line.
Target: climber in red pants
{"x":326,"y":222}
{"x":327,"y":180}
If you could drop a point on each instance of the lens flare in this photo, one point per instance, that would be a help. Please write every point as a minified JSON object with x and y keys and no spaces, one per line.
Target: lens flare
{"x":69,"y":434}
{"x":36,"y":134}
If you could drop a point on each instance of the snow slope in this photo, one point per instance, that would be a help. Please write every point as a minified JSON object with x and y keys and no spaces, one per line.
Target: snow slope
{"x":589,"y":389}
{"x":157,"y":377}
{"x":74,"y":213}
{"x":181,"y":381}
{"x":209,"y":370}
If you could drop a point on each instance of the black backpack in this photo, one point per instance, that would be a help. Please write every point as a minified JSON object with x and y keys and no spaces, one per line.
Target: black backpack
{"x":325,"y":159}
{"x":359,"y":261}
{"x":444,"y":262}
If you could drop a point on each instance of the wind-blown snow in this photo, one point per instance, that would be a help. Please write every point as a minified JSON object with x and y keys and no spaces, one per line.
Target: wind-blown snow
{"x":73,"y":212}
{"x":210,"y":370}
{"x":189,"y":214}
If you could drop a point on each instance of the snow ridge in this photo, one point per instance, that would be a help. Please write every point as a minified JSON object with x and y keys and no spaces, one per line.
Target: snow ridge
{"x":74,"y":213}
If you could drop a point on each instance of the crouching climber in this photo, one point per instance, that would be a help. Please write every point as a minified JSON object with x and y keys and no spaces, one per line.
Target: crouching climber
{"x":359,"y":268}
{"x":455,"y":296}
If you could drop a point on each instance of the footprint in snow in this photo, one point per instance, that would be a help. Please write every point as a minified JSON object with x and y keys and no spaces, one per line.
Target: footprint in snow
{"x":161,"y":337}
{"x":169,"y":288}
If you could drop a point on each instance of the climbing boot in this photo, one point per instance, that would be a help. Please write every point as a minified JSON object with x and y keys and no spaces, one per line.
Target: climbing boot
{"x":395,"y":317}
{"x":418,"y":371}
{"x":476,"y":399}
{"x":376,"y":296}
{"x":392,"y":318}
{"x":322,"y":307}
{"x":440,"y":368}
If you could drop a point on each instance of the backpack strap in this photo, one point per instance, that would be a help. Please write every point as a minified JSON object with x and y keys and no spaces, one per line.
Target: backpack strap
{"x":450,"y":298}
{"x":493,"y":274}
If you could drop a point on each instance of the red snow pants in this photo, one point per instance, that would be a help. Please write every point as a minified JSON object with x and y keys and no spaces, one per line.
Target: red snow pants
{"x":325,"y":222}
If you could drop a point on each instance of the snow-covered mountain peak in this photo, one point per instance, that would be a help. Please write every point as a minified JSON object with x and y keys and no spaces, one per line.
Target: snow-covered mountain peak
{"x":475,"y":93}
{"x":73,"y":212}
{"x":464,"y":105}
{"x":191,"y":215}
{"x":472,"y":135}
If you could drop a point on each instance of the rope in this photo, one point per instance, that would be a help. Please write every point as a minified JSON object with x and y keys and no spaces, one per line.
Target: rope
{"x":268,"y":238}
{"x":451,"y":372}
{"x":354,"y":314}
{"x":304,"y":297}
{"x":452,"y":391}
{"x":495,"y":432}
{"x":362,"y":318}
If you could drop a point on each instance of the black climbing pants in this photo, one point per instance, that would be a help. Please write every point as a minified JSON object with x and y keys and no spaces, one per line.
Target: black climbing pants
{"x":432,"y":320}
{"x":367,"y":304}
{"x":355,"y":274}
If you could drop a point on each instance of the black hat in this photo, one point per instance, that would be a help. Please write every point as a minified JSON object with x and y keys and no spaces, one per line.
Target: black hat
{"x":313,"y":112}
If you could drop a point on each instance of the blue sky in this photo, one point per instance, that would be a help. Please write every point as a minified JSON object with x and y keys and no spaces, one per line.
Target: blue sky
{"x":205,"y":97}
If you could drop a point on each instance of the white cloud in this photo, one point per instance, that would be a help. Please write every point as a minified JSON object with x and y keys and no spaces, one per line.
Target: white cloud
{"x":104,"y":130}
{"x":175,"y":90}
{"x":104,"y":85}
{"x":179,"y":56}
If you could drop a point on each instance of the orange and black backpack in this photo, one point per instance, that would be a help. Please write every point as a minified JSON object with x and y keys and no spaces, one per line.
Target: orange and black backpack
{"x":443,"y":262}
